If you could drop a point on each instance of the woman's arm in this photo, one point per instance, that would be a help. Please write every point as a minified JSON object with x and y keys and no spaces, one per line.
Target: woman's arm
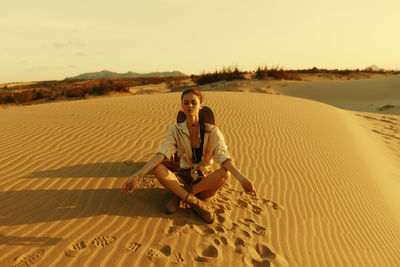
{"x":130,"y":184}
{"x":167,"y":149}
{"x":151,"y":164}
{"x":244,"y":181}
{"x":223,"y":157}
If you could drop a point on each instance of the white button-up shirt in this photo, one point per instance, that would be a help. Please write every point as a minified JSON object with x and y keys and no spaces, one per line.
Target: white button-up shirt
{"x":214,"y":147}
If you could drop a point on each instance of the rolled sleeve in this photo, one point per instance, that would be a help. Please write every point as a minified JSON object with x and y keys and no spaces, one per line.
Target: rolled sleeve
{"x":220,"y":149}
{"x":168,"y":147}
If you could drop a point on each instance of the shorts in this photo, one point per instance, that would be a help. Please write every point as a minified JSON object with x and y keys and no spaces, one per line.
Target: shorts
{"x":186,"y":178}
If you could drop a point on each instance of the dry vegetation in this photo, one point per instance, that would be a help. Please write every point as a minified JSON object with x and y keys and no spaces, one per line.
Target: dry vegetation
{"x":35,"y":92}
{"x":69,"y":89}
{"x":226,"y":74}
{"x":278,"y":73}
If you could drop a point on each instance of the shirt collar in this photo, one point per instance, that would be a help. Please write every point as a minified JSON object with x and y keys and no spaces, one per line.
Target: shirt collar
{"x":183,"y":127}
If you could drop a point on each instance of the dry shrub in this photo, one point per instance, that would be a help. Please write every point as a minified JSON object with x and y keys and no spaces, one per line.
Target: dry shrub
{"x":44,"y":93}
{"x":277,"y":73}
{"x":261,"y":73}
{"x":77,"y":88}
{"x":173,"y":84}
{"x":74,"y":92}
{"x":118,"y":85}
{"x":102,"y":88}
{"x":24,"y":97}
{"x":226,"y":74}
{"x":6,"y":98}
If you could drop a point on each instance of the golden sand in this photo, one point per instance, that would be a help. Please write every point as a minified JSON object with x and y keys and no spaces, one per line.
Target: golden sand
{"x":326,"y":179}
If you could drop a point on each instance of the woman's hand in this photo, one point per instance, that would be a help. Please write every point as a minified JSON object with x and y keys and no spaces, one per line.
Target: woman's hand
{"x":247,"y":186}
{"x":129,"y":186}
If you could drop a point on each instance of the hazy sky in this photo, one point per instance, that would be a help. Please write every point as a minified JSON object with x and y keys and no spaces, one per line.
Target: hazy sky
{"x":51,"y":40}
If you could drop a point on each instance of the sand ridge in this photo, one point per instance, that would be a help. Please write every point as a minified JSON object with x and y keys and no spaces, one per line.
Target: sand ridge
{"x":317,"y":205}
{"x":376,"y":95}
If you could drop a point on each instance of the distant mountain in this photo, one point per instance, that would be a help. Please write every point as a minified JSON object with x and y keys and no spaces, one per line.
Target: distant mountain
{"x":108,"y":74}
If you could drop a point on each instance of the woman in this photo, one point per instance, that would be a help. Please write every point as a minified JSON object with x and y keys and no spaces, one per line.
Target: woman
{"x":198,"y":144}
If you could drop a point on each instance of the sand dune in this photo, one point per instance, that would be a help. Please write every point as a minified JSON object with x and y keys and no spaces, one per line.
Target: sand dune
{"x":321,"y":174}
{"x":377,"y":95}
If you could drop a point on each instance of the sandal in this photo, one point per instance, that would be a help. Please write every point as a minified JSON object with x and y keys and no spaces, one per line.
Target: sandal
{"x":200,"y":207}
{"x":173,"y":204}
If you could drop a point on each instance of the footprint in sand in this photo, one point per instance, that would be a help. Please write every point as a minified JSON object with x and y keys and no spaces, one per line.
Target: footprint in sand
{"x":175,"y":228}
{"x":220,"y":207}
{"x":268,"y":257}
{"x":133,"y":247}
{"x":228,"y":204}
{"x":220,"y":218}
{"x":220,"y":229}
{"x":103,"y":241}
{"x":225,"y":198}
{"x":259,"y":230}
{"x":177,"y":258}
{"x":166,"y":250}
{"x":265,"y":252}
{"x":261,"y":255}
{"x":208,"y":254}
{"x":256,"y":228}
{"x":29,"y":259}
{"x":219,"y":211}
{"x":161,"y":256}
{"x":256,"y":263}
{"x":246,"y":221}
{"x":272,"y":204}
{"x":242,"y":203}
{"x":224,"y":240}
{"x":239,"y":244}
{"x":77,"y":248}
{"x":153,"y":253}
{"x":245,"y":233}
{"x":257,"y":210}
{"x":210,"y":251}
{"x":210,"y":231}
{"x":225,"y":221}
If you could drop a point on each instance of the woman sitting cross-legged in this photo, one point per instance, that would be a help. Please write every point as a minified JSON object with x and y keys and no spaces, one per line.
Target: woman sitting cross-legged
{"x":198,"y":144}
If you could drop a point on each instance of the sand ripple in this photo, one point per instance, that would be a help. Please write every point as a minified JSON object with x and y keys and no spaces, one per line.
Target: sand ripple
{"x":318,"y":204}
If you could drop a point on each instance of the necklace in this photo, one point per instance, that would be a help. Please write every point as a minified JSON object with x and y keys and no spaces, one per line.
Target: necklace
{"x":196,"y":145}
{"x":194,"y":135}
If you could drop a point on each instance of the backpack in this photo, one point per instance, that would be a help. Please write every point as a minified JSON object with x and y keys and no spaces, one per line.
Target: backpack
{"x":205,"y":116}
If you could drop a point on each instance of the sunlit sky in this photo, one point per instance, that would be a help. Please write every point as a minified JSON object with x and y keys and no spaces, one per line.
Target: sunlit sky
{"x":51,"y":40}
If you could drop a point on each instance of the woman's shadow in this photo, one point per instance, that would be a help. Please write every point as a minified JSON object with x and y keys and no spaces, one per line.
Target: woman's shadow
{"x":98,"y":170}
{"x":36,"y":206}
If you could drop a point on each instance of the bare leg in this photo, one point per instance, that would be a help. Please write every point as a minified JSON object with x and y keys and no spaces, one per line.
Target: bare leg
{"x":169,"y":181}
{"x":210,"y":184}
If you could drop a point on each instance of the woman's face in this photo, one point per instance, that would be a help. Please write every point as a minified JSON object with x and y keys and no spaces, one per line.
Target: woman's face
{"x":191,"y":104}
